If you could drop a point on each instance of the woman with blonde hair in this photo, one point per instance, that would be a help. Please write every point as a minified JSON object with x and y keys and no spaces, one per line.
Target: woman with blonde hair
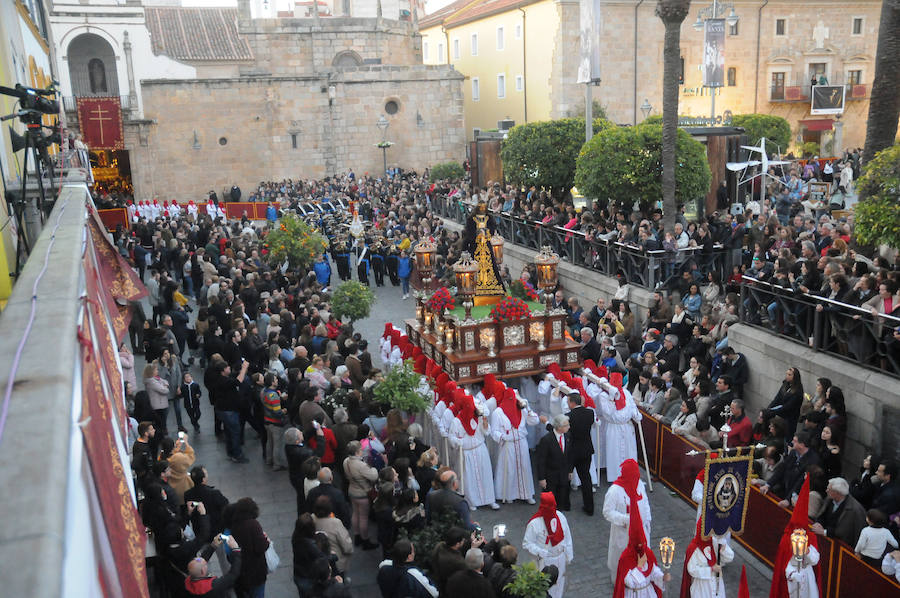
{"x":158,"y":393}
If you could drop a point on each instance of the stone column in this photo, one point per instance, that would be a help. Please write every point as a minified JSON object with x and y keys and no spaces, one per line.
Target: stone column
{"x":129,"y":64}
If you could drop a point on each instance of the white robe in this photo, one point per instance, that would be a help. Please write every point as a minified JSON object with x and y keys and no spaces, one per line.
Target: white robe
{"x":477,"y":475}
{"x":535,"y":542}
{"x":621,"y":443}
{"x":596,"y":393}
{"x":703,"y":584}
{"x":192,"y":211}
{"x":615,"y":510}
{"x":174,"y":210}
{"x":450,"y":457}
{"x":132,"y":213}
{"x":801,"y":581}
{"x":638,"y":585}
{"x":395,"y":359}
{"x":155,"y":210}
{"x":385,"y":346}
{"x":513,"y":478}
{"x":890,"y":567}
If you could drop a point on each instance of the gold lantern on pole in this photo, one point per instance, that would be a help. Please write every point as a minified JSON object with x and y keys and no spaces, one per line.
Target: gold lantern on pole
{"x":497,"y":247}
{"x":799,"y":545}
{"x":547,"y":263}
{"x":666,"y":552}
{"x":424,"y":251}
{"x":466,"y":271}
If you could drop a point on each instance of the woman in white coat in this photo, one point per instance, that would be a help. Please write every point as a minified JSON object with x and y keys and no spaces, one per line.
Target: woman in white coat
{"x":548,"y":538}
{"x":509,"y":421}
{"x":467,"y":432}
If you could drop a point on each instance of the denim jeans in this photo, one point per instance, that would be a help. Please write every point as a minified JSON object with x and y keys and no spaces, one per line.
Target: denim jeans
{"x":232,"y":421}
{"x":176,"y":405}
{"x":404,"y":282}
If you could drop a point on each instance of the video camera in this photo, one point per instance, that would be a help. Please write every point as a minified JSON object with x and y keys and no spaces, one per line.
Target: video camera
{"x":32,"y":99}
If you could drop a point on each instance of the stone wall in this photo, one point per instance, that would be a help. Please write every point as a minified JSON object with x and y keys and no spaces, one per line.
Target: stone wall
{"x":566,"y":95}
{"x":213,"y":133}
{"x":299,"y":47}
{"x":868,"y":393}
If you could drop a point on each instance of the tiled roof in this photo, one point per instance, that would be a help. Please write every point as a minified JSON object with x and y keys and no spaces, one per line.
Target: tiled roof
{"x":196,"y":34}
{"x":485,"y":8}
{"x":438,"y":16}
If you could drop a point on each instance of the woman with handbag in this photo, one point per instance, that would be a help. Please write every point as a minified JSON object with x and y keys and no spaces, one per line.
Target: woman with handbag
{"x":254,"y":543}
{"x":361,"y":478}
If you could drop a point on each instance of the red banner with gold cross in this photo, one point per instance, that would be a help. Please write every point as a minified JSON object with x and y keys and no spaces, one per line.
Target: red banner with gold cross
{"x":100,"y":120}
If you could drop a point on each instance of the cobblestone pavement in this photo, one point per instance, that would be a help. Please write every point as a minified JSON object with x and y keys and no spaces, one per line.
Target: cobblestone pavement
{"x":587,"y":575}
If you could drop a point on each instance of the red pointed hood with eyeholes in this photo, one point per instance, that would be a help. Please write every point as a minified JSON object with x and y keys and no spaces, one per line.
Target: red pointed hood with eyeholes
{"x":616,"y":380}
{"x":456,"y":401}
{"x":448,"y":390}
{"x":553,"y":368}
{"x":489,"y":386}
{"x":510,"y":407}
{"x":637,"y":547}
{"x":432,"y":369}
{"x":799,"y":520}
{"x":417,"y":352}
{"x":744,"y":589}
{"x":587,"y":400}
{"x":388,"y":330}
{"x":395,"y":338}
{"x":697,"y":543}
{"x":419,"y":364}
{"x":547,"y":512}
{"x":629,"y":476}
{"x":466,"y":415}
{"x":440,"y":381}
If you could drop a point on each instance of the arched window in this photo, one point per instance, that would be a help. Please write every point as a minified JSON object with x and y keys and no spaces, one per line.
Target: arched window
{"x":97,"y":76}
{"x":347,"y":58}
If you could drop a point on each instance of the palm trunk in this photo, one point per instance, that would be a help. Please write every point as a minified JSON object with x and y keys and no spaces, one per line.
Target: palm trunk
{"x":884,"y":103}
{"x":672,"y":13}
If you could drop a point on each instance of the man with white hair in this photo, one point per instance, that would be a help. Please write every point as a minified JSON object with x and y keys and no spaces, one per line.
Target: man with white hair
{"x":553,"y":459}
{"x":471,"y":580}
{"x":843,"y":517}
{"x":200,"y":583}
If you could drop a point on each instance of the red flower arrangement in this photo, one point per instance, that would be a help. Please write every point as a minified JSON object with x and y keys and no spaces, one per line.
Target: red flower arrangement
{"x":440,"y":300}
{"x":511,"y":308}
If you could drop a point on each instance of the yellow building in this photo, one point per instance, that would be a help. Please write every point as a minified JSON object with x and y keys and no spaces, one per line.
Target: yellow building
{"x":519,"y":58}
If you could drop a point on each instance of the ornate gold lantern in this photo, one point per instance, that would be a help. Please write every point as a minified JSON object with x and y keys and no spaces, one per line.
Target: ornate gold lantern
{"x":536,"y":330}
{"x":666,"y":552}
{"x":799,"y":545}
{"x":486,"y":336}
{"x":547,"y":263}
{"x":425,"y":251}
{"x":466,"y":271}
{"x":448,"y":338}
{"x":497,"y":248}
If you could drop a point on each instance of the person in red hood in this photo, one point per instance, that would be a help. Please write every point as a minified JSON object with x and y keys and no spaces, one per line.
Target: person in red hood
{"x":547,"y":537}
{"x":789,"y":580}
{"x":618,"y":410}
{"x":509,"y":421}
{"x":627,"y":491}
{"x":467,"y":432}
{"x":638,"y":575}
{"x":200,"y":583}
{"x":703,"y":560}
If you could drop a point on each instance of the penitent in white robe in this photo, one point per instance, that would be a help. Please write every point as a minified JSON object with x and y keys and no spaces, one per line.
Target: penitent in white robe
{"x":535,"y":542}
{"x":513,"y":478}
{"x":801,"y":581}
{"x":704,"y":582}
{"x":621,"y":443}
{"x":616,"y":506}
{"x":638,"y":585}
{"x":477,"y":475}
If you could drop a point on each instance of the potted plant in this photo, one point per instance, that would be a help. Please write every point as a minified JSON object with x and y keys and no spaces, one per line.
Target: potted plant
{"x":528,"y":582}
{"x":402,"y":389}
{"x":352,"y":300}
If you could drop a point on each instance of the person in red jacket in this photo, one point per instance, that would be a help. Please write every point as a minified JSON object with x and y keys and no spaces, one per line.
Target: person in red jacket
{"x":200,"y":583}
{"x":741,"y":433}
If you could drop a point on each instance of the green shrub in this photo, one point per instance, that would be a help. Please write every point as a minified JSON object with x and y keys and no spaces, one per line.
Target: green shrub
{"x":775,"y":129}
{"x":452,"y":171}
{"x":352,"y":300}
{"x":400,"y":389}
{"x":877,"y":215}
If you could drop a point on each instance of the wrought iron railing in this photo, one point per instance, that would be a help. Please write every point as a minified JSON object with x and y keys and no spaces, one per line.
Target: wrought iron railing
{"x":647,"y":269}
{"x":843,"y":330}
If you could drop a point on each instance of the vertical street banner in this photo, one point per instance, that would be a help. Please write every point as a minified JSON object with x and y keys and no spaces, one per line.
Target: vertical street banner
{"x":100,"y":120}
{"x":714,"y":53}
{"x":589,"y":61}
{"x":725,"y":494}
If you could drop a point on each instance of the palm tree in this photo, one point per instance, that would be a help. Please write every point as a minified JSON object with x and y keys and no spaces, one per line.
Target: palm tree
{"x":884,"y":103}
{"x":672,"y":13}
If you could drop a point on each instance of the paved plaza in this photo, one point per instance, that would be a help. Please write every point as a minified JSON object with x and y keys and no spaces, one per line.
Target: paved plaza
{"x":587,"y":575}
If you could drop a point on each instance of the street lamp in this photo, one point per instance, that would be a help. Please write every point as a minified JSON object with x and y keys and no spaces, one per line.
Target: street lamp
{"x":715,"y":11}
{"x":646,"y":108}
{"x":383,"y":124}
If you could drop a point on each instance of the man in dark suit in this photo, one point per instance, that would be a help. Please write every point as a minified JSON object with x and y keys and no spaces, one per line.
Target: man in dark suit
{"x":590,"y":348}
{"x":446,"y":498}
{"x":581,"y":422}
{"x":788,"y":476}
{"x":471,"y":581}
{"x":212,"y":498}
{"x":735,"y":365}
{"x":554,"y":462}
{"x":843,"y":517}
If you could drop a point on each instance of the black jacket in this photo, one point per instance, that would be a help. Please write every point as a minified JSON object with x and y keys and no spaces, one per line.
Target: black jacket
{"x":469,"y":583}
{"x":788,"y":475}
{"x":404,"y":581}
{"x":296,"y":454}
{"x":581,"y":419}
{"x":552,"y":464}
{"x":214,"y":501}
{"x":444,"y":563}
{"x":591,"y":350}
{"x":338,"y":502}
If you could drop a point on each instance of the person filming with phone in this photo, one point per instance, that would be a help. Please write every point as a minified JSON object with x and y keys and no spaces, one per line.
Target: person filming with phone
{"x":200,"y":583}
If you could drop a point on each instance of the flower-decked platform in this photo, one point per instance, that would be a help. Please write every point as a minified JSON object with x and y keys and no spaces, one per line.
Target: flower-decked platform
{"x":469,"y":349}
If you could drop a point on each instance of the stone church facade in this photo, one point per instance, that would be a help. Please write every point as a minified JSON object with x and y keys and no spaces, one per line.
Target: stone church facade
{"x":265,"y":99}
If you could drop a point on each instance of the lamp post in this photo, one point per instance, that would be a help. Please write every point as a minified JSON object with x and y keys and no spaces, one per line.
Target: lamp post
{"x":466,"y":271}
{"x":646,"y":108}
{"x":383,"y":124}
{"x":703,"y":16}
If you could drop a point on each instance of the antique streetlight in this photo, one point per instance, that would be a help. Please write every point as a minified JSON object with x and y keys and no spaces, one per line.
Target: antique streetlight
{"x":383,"y":124}
{"x":666,"y":553}
{"x":646,"y":108}
{"x":466,"y":271}
{"x":497,"y":248}
{"x":424,"y":252}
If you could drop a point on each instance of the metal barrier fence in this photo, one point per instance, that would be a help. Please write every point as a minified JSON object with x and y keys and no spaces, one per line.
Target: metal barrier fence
{"x":846,"y":331}
{"x":641,"y":268}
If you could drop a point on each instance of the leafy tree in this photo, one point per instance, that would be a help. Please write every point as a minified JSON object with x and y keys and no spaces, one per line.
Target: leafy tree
{"x":426,"y":539}
{"x":529,"y":582}
{"x":774,"y":128}
{"x":884,"y":102}
{"x":295,"y":241}
{"x":625,"y":164}
{"x":877,"y":215}
{"x":352,"y":300}
{"x":452,"y":171}
{"x":672,"y":14}
{"x":401,"y":389}
{"x":543,"y":153}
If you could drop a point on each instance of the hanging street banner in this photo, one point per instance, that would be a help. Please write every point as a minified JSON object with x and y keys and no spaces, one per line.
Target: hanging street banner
{"x":589,"y":56}
{"x":827,"y":99}
{"x":725,"y":494}
{"x":100,"y":120}
{"x":714,"y":53}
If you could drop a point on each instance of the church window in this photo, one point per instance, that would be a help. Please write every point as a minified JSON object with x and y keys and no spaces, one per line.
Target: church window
{"x":857,"y":26}
{"x":732,"y":76}
{"x":780,"y":27}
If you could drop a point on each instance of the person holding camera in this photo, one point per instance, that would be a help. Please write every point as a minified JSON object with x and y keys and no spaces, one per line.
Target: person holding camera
{"x":200,"y":583}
